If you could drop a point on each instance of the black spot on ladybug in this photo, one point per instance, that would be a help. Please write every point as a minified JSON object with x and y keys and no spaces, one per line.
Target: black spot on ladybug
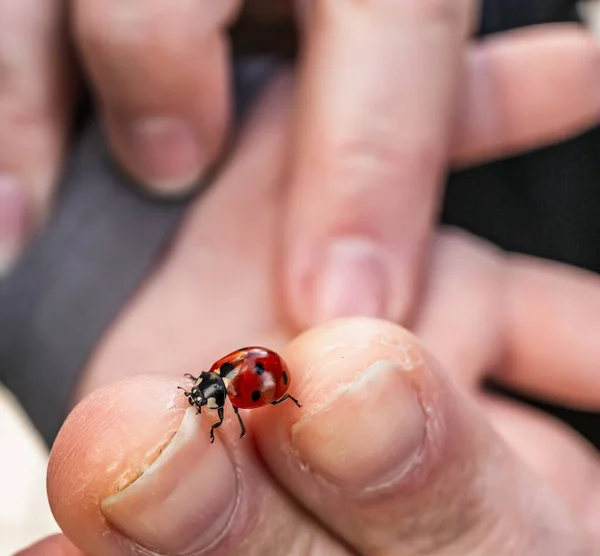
{"x":284,"y":377}
{"x":259,"y":368}
{"x":226,"y":368}
{"x":256,"y":395}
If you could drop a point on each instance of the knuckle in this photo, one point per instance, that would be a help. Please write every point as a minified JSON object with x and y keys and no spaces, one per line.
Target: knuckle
{"x":370,"y":187}
{"x":371,"y":174}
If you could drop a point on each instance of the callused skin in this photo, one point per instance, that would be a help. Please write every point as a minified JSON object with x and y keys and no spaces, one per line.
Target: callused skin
{"x":250,"y":377}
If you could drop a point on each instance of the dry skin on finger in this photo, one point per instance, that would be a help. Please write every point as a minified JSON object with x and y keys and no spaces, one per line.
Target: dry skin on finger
{"x":124,"y":477}
{"x":412,"y":507}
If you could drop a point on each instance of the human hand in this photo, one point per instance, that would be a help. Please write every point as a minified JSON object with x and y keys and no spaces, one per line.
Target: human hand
{"x":372,"y":137}
{"x":480,"y":310}
{"x":388,"y":455}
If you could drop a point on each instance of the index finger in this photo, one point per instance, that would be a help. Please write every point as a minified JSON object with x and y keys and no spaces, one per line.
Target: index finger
{"x":377,"y":94}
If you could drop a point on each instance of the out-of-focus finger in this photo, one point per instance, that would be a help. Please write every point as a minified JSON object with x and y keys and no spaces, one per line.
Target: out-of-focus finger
{"x":533,"y":321}
{"x":461,"y":313}
{"x":161,"y":72}
{"x":36,"y":99}
{"x":564,"y":459}
{"x":551,"y":340}
{"x":526,"y":89}
{"x":377,"y":94}
{"x":463,"y":321}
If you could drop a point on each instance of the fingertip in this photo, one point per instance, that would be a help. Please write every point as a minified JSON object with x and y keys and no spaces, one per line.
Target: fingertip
{"x":527,"y":88}
{"x":166,"y":108}
{"x":328,"y":362}
{"x":108,"y":441}
{"x":166,"y":155}
{"x":348,"y":338}
{"x":133,"y":467}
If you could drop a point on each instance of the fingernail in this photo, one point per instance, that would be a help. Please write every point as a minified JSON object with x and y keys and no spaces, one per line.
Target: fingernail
{"x":352,"y":281}
{"x":13,"y":222}
{"x":184,"y":500}
{"x":168,"y":153}
{"x":369,"y":435}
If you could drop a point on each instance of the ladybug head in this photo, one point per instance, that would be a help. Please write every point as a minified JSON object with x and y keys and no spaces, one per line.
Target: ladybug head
{"x":197,"y":397}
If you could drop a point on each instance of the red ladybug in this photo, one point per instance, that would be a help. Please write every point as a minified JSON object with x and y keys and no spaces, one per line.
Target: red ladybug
{"x":250,"y":377}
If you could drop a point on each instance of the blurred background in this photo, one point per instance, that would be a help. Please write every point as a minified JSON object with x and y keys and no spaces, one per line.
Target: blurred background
{"x":25,"y":516}
{"x":24,"y":512}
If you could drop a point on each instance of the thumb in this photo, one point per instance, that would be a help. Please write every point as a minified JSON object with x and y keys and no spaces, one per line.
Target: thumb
{"x":395,"y":460}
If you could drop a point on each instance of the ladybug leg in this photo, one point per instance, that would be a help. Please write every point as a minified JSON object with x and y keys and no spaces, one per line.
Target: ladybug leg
{"x":191,"y":377}
{"x":187,"y":394}
{"x":216,"y":425}
{"x":242,"y":426}
{"x":286,"y":397}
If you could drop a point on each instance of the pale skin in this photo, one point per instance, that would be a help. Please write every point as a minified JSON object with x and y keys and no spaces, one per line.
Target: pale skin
{"x":366,"y":466}
{"x":379,"y":85}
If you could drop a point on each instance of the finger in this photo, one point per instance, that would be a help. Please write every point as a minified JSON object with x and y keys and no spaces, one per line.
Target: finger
{"x":133,"y":471}
{"x":396,"y":461}
{"x":564,"y":459}
{"x":36,"y":96}
{"x":376,"y":105}
{"x":462,"y":319}
{"x":552,"y":318}
{"x":56,"y":545}
{"x":461,"y":315}
{"x":533,"y":323}
{"x":525,"y":89}
{"x":160,"y":71}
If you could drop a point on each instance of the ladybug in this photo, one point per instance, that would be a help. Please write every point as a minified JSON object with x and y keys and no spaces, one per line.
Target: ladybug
{"x":250,"y":377}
